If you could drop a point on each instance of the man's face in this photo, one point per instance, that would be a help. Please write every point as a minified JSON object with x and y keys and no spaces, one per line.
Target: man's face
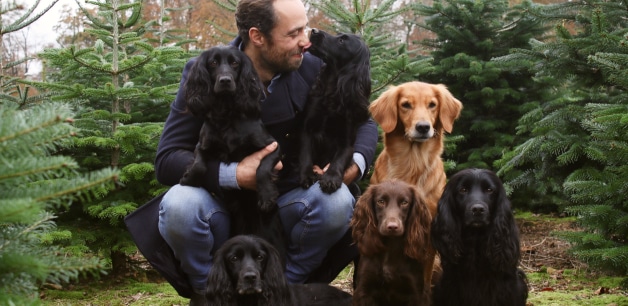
{"x":283,"y":52}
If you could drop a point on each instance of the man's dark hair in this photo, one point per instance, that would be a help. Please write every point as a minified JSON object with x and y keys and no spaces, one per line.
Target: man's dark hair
{"x":255,"y":13}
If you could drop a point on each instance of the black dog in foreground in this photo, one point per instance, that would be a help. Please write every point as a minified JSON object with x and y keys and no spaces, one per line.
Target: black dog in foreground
{"x":337,"y":106}
{"x":224,"y":89}
{"x":247,"y":272}
{"x":478,"y":241}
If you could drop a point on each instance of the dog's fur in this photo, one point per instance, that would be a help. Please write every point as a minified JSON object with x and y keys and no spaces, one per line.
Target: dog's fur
{"x":413,"y":117}
{"x":391,"y":227}
{"x":247,"y":271}
{"x":337,"y":106}
{"x":478,"y":241}
{"x":224,"y":89}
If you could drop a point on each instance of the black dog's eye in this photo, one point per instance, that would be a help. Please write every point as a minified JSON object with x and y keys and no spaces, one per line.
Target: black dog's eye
{"x":463,"y":190}
{"x":213,"y":63}
{"x":233,"y":258}
{"x":234,"y":64}
{"x":406,"y":105}
{"x":342,"y":39}
{"x":260,"y":257}
{"x":489,"y":190}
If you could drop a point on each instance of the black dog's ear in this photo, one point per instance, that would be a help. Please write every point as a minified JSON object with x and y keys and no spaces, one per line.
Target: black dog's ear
{"x":503,"y":242}
{"x":274,"y":281}
{"x":219,"y":285}
{"x":446,"y":227}
{"x":197,"y":87}
{"x":355,"y":77}
{"x":249,"y":83}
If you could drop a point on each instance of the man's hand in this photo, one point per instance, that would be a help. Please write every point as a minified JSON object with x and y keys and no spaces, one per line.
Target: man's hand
{"x":351,"y":174}
{"x":246,"y":169}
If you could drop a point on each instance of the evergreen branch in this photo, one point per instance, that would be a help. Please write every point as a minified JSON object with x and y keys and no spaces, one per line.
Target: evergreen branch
{"x":99,"y":179}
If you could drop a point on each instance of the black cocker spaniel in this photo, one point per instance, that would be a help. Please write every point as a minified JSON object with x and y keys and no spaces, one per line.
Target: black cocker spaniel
{"x":247,"y":272}
{"x":224,"y":89}
{"x":337,"y":106}
{"x":478,"y":241}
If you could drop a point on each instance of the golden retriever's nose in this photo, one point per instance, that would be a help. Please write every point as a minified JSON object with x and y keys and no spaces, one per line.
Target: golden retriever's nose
{"x":422,"y":127}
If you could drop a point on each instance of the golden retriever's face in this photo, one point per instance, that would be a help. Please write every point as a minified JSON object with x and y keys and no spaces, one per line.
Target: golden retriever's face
{"x":421,"y":108}
{"x":418,"y":112}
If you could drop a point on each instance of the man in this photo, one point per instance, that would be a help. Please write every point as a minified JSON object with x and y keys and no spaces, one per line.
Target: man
{"x":193,"y":221}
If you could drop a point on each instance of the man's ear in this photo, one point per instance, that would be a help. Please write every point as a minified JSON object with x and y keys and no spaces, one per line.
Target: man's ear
{"x":256,"y":36}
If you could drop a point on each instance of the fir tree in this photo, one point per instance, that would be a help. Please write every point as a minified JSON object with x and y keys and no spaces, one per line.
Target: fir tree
{"x":32,"y":182}
{"x":391,"y":61}
{"x":468,"y":35}
{"x":122,"y":87}
{"x":577,"y":149}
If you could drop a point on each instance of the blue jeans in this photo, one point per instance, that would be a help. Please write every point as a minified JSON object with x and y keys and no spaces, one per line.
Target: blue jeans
{"x":195,"y":225}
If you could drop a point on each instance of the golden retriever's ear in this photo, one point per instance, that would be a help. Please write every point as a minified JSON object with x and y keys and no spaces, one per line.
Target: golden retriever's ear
{"x":384,"y":109}
{"x":450,"y":107}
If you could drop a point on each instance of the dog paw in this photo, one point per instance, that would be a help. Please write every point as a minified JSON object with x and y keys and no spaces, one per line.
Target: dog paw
{"x":309,"y":180}
{"x":267,"y":198}
{"x":188,"y":180}
{"x":329,"y":185}
{"x":266,"y":206}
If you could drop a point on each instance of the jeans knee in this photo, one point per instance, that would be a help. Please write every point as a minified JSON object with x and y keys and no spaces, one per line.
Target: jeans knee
{"x":337,"y":210}
{"x":183,"y":207}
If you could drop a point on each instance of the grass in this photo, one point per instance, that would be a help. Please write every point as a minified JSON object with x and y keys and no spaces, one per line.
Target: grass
{"x":110,"y":293}
{"x":573,"y":287}
{"x":580,"y":290}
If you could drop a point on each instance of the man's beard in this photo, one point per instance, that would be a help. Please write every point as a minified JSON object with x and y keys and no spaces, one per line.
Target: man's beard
{"x":282,"y":62}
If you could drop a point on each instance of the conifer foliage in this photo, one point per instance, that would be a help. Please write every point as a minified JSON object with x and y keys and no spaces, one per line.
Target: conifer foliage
{"x":33,"y":181}
{"x":469,"y":34}
{"x":577,"y":147}
{"x":122,"y":86}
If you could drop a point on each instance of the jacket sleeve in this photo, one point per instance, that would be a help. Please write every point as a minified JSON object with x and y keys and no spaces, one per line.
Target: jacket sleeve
{"x":175,"y":151}
{"x":366,"y":142}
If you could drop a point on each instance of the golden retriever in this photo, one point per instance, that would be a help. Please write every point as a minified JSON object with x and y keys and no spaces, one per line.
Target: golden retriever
{"x":413,"y":117}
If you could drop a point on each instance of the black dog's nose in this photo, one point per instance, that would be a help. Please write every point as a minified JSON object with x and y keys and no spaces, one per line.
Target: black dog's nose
{"x":478,"y":209}
{"x":250,"y":276}
{"x":422,"y":127}
{"x":225,"y":80}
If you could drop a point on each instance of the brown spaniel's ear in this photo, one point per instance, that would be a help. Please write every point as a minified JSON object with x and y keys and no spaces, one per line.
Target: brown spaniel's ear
{"x":384,"y":109}
{"x":450,"y":107}
{"x":418,"y":243}
{"x":364,"y":224}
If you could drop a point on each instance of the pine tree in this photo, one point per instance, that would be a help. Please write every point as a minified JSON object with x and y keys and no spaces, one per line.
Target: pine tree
{"x":122,"y":87}
{"x":32,"y":182}
{"x":468,"y":35}
{"x":577,"y":149}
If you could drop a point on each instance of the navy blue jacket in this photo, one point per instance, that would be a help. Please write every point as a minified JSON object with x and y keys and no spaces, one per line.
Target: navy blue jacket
{"x":280,"y":114}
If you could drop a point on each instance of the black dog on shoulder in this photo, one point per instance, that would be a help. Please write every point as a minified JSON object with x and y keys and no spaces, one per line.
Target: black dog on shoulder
{"x":247,"y":271}
{"x":224,"y":89}
{"x":337,"y":106}
{"x":478,"y":241}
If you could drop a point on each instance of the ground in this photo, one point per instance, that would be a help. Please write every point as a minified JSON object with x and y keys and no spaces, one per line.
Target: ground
{"x":555,"y":278}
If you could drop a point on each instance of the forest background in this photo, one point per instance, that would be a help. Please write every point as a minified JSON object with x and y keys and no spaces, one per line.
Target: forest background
{"x":543,"y":85}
